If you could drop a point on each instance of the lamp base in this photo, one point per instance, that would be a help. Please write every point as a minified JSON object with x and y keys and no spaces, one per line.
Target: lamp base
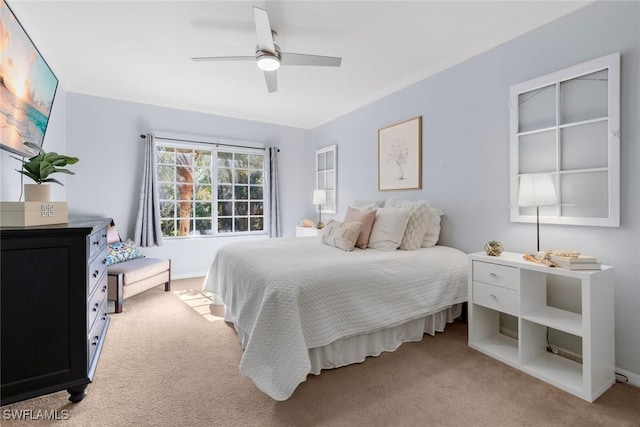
{"x":319,"y":225}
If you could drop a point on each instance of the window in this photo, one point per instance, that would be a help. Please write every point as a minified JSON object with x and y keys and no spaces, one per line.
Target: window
{"x":326,"y":172}
{"x":210,"y":191}
{"x":567,"y":124}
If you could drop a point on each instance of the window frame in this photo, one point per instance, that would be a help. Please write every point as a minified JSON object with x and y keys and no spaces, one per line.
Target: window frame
{"x":215,"y":149}
{"x":556,"y":214}
{"x":327,"y":177}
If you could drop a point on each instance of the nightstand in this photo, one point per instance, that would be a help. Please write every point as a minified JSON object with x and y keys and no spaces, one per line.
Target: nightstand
{"x":509,"y":285}
{"x":306,"y":231}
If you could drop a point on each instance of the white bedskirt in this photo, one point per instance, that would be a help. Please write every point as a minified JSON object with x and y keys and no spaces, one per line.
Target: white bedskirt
{"x":355,"y":349}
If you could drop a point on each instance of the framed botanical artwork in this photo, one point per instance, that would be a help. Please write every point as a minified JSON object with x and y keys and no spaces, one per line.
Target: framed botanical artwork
{"x":400,"y":156}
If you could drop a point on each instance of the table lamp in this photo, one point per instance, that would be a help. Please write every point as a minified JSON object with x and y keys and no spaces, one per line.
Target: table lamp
{"x":537,"y":190}
{"x":319,"y":198}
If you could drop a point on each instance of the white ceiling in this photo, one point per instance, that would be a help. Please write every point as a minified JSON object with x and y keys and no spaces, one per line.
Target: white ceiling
{"x":140,"y":50}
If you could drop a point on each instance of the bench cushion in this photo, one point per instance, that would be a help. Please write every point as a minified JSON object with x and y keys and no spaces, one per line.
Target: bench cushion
{"x":137,"y":269}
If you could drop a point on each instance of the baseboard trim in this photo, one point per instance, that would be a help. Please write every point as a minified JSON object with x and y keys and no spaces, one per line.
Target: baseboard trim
{"x":187,"y":275}
{"x":633,"y":379}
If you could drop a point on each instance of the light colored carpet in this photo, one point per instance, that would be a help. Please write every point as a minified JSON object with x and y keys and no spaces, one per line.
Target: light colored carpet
{"x":168,"y":361}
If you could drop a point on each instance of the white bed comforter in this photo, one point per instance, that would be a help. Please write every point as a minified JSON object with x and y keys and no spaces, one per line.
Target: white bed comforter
{"x":291,"y":294}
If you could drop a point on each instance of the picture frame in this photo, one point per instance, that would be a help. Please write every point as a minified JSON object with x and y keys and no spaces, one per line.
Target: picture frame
{"x":27,"y":88}
{"x":400,"y":156}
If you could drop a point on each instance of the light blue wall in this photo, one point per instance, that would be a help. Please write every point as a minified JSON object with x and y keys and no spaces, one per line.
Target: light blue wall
{"x":465,"y":154}
{"x":465,"y":160}
{"x":104,"y":134}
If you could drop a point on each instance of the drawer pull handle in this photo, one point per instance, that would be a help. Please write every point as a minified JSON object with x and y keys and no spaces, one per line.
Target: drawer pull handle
{"x":493,"y":297}
{"x":104,"y":260}
{"x":95,"y":340}
{"x":97,"y":242}
{"x":104,"y":235}
{"x":95,"y":273}
{"x":493,"y":275}
{"x":95,"y":307}
{"x":104,"y":288}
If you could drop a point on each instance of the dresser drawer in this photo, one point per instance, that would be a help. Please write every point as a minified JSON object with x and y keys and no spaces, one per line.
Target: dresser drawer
{"x":97,"y":241}
{"x":501,"y":299}
{"x":97,"y":269}
{"x":493,"y":274}
{"x":96,"y":301}
{"x":96,"y":334}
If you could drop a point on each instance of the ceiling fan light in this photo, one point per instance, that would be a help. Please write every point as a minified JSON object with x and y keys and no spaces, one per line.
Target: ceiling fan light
{"x":268,"y":62}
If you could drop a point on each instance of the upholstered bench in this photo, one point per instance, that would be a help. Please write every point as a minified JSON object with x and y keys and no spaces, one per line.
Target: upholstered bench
{"x":133,"y":276}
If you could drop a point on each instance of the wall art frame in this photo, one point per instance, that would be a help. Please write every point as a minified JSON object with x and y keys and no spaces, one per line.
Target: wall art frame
{"x":27,"y":88}
{"x":400,"y":156}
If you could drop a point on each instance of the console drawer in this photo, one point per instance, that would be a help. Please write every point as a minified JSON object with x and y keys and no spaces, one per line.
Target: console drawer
{"x":496,"y":297}
{"x":493,"y":274}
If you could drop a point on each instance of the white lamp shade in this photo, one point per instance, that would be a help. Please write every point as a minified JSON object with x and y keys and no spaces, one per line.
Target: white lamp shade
{"x":319,"y":197}
{"x":536,"y":190}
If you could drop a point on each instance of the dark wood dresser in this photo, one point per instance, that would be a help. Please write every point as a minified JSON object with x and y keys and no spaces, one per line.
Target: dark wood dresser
{"x":53,"y":297}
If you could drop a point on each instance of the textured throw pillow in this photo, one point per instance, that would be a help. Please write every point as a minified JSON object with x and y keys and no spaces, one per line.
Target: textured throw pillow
{"x":366,"y":218}
{"x":341,"y":235}
{"x":122,"y":251}
{"x":431,"y":221}
{"x":388,"y":228}
{"x":417,"y":225}
{"x":432,"y":235}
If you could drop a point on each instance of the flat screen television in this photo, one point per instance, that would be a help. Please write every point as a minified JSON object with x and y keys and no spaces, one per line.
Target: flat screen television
{"x":27,"y":87}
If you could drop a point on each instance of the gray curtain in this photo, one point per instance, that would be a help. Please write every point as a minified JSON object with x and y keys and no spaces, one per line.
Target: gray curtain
{"x":275,"y":229}
{"x":148,"y":231}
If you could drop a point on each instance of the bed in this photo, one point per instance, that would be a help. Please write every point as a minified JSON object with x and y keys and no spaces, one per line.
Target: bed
{"x":300,"y":306}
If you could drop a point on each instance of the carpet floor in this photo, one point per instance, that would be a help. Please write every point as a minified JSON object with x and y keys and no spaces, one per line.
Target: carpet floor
{"x":169,"y":361}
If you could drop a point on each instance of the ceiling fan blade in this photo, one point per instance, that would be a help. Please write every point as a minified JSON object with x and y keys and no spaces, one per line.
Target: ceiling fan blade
{"x":271,"y":77}
{"x":224,"y":58}
{"x":287,"y":58}
{"x":263,"y":30}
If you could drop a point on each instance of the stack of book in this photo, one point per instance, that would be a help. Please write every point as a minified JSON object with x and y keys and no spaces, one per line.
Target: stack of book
{"x":580,"y":262}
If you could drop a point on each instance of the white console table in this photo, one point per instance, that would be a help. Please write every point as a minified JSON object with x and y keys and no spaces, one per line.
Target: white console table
{"x":509,"y":284}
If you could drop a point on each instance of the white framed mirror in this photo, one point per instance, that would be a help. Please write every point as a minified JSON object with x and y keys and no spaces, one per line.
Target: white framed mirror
{"x":567,"y":124}
{"x":326,"y":176}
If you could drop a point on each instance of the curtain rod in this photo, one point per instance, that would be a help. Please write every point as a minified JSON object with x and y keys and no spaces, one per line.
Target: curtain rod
{"x":217,"y":144}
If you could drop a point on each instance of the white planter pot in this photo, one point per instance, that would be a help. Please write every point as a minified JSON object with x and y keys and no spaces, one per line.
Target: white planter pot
{"x":36,"y":192}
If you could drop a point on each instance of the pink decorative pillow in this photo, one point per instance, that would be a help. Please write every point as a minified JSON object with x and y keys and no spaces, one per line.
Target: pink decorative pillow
{"x":366,"y":218}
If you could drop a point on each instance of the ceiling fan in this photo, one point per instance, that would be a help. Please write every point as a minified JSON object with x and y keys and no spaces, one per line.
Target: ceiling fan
{"x":268,"y":55}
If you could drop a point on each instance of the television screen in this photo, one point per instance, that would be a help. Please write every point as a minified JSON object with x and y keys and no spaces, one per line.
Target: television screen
{"x":27,"y":87}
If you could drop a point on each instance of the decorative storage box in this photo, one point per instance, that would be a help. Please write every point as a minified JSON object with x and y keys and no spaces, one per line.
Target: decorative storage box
{"x":21,"y":214}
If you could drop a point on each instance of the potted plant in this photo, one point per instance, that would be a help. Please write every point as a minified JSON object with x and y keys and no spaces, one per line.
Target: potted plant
{"x":39,"y":167}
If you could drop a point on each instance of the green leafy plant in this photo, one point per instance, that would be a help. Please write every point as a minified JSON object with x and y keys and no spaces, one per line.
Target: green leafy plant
{"x":43,"y":164}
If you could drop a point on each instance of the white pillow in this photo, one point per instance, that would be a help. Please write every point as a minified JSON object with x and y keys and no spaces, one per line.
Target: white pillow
{"x":423,"y":226}
{"x":433,"y":230}
{"x":388,"y":228}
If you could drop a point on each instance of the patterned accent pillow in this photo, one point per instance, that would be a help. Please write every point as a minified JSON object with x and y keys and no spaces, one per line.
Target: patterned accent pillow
{"x":341,"y":235}
{"x":122,"y":251}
